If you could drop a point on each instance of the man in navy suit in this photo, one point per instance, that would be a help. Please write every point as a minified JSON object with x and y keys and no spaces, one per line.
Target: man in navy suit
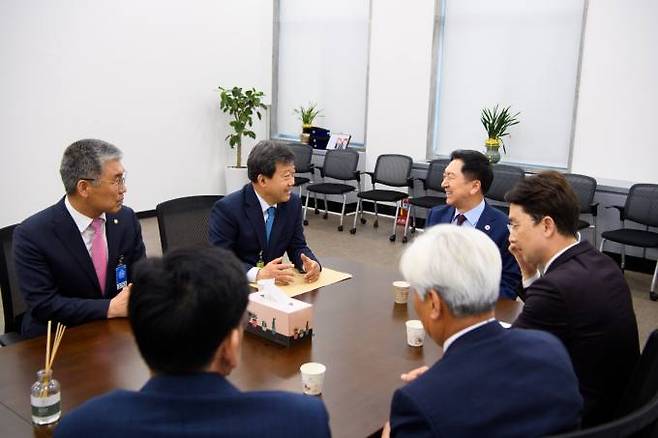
{"x":573,"y":291}
{"x":74,"y":259}
{"x":264,"y":220}
{"x":187,"y":311}
{"x":466,"y":180}
{"x":491,"y":381}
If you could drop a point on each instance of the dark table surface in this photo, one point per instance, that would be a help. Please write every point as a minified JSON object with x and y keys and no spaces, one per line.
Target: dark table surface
{"x":359,"y":335}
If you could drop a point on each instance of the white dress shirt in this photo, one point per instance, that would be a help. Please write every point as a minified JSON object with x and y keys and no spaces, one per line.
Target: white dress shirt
{"x":472,"y":215}
{"x":84,"y":226}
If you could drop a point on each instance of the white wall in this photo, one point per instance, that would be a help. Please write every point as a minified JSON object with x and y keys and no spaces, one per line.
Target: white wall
{"x":399,"y":80}
{"x":140,"y":74}
{"x":616,"y":135}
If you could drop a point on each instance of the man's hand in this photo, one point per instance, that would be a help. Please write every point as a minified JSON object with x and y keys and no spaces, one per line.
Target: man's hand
{"x":413,"y":374}
{"x":312,"y":269}
{"x":386,"y":430}
{"x":282,"y":273}
{"x":119,"y":304}
{"x":528,"y":270}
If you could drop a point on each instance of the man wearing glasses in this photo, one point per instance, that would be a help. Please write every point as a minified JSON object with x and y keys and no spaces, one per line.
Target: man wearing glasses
{"x":74,"y":259}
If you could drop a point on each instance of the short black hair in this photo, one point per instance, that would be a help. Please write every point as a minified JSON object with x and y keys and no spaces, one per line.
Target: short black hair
{"x":183,"y":305}
{"x":476,"y":167}
{"x":264,"y":156}
{"x":548,"y":194}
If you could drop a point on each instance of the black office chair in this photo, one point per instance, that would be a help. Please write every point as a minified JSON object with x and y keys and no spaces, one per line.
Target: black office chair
{"x":12,"y":300}
{"x":585,"y":188}
{"x":505,"y":178}
{"x":641,"y":207}
{"x":637,"y":412}
{"x":391,"y":170}
{"x":340,"y":165}
{"x":431,"y":181}
{"x":303,"y":156}
{"x":184,"y":221}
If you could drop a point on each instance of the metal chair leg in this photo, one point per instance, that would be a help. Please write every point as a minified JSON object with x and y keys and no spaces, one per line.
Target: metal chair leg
{"x":376,"y":223}
{"x":602,"y":243}
{"x":342,"y":213}
{"x":326,"y":211}
{"x":356,"y":216}
{"x":395,"y":222}
{"x":623,"y":257}
{"x":406,"y":224}
{"x":652,"y":292}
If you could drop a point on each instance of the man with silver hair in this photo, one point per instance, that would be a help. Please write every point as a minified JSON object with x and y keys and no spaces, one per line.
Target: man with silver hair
{"x":74,"y":259}
{"x":490,"y":381}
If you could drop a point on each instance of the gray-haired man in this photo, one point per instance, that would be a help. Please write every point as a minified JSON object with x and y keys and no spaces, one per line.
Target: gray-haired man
{"x":74,"y":259}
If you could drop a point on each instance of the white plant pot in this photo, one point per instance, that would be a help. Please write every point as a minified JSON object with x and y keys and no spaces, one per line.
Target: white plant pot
{"x":235,"y":178}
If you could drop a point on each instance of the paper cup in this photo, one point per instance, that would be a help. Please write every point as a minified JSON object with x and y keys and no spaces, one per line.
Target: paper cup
{"x":312,"y":377}
{"x":415,"y":333}
{"x":401,"y":291}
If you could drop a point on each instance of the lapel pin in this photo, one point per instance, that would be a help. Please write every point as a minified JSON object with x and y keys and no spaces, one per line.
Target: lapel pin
{"x":116,"y":221}
{"x":487,"y":227}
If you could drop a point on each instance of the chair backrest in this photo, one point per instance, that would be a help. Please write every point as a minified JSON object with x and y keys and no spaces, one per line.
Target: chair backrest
{"x":341,"y":164}
{"x":184,"y":221}
{"x":393,"y":170}
{"x":12,"y":300}
{"x":642,"y":204}
{"x":505,"y":178}
{"x":435,"y":172}
{"x":585,"y":188}
{"x":303,"y":156}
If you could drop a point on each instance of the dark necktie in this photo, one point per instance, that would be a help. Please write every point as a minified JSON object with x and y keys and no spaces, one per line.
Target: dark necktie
{"x":460,"y":219}
{"x":271,"y":212}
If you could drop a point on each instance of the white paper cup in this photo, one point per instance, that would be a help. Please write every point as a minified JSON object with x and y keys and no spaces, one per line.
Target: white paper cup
{"x":415,"y":333}
{"x":312,"y":377}
{"x":400,"y":291}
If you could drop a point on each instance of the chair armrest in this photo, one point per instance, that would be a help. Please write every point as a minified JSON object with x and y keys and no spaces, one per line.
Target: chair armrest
{"x":424,"y":181}
{"x":594,"y":209}
{"x":410,"y":183}
{"x":321,"y":169}
{"x":622,"y":216}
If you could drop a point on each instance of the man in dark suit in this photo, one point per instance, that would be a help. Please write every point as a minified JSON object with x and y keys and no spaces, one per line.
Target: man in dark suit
{"x":263,"y":221}
{"x":187,"y":313}
{"x":573,"y":291}
{"x":74,"y":259}
{"x":466,"y":180}
{"x":490,"y":382}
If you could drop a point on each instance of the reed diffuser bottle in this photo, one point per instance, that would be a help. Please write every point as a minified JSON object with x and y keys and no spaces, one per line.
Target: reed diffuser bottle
{"x":45,"y":398}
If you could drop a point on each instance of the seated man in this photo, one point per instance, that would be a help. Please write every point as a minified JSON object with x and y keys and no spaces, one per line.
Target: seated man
{"x":466,"y":180}
{"x":264,"y":219}
{"x":74,"y":259}
{"x":186,"y":313}
{"x":490,"y":381}
{"x":573,"y":291}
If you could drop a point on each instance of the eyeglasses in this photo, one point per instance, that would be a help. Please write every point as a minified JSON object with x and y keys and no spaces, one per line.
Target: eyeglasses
{"x":119,"y":181}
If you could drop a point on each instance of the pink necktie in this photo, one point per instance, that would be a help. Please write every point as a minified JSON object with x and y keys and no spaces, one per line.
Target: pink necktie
{"x":98,"y":254}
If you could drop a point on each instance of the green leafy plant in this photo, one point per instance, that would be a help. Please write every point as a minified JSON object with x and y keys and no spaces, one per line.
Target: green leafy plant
{"x":308,"y":114}
{"x":496,"y":122}
{"x":241,"y":105}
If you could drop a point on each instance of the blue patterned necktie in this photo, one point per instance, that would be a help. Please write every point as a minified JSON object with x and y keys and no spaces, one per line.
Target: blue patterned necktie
{"x":271,"y":212}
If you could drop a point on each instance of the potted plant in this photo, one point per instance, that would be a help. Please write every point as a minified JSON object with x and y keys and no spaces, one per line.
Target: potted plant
{"x":496,"y":122}
{"x":307,"y":115}
{"x":240,"y":105}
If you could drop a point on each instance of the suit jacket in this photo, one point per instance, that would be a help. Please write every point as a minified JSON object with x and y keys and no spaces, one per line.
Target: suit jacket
{"x":197,"y":405}
{"x":493,"y":223}
{"x":237,"y":224}
{"x":584,"y":300}
{"x":492,"y":382}
{"x":55,"y":271}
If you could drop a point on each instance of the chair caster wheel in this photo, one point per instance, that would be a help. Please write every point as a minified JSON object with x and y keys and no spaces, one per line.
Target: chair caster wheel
{"x":653,"y":296}
{"x":316,"y":211}
{"x":305,"y":222}
{"x":413,"y":231}
{"x":363,"y":221}
{"x":392,"y":238}
{"x":375,"y":224}
{"x":340,"y":228}
{"x":404,"y":239}
{"x":325,"y":216}
{"x":353,"y":231}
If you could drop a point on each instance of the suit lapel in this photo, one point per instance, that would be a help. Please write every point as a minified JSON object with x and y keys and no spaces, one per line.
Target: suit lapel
{"x":69,"y":236}
{"x":449,"y":213}
{"x":254,"y":214}
{"x":485,"y":223}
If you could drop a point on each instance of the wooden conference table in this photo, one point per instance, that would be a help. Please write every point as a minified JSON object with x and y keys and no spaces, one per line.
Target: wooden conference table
{"x":359,"y":335}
